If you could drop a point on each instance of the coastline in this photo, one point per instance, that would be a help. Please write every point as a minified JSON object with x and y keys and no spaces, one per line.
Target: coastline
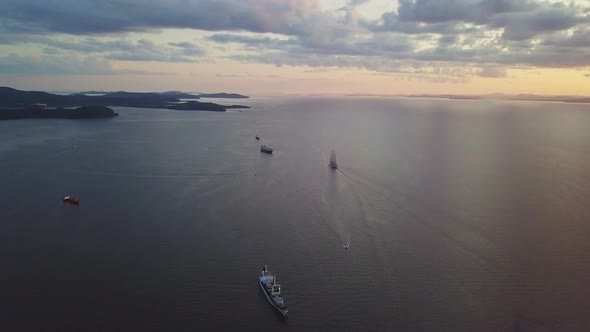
{"x":79,"y":113}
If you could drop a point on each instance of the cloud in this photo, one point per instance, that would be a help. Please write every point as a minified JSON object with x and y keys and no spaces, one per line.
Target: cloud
{"x":386,"y":47}
{"x":488,"y":36}
{"x":540,"y":19}
{"x":108,"y":16}
{"x":62,"y":65}
{"x":449,"y":38}
{"x":579,"y":38}
{"x":315,"y":71}
{"x":374,"y":45}
{"x":229,"y":75}
{"x":189,"y":49}
{"x":476,"y":11}
{"x":255,"y":43}
{"x":300,"y":18}
{"x":355,"y":3}
{"x":516,"y":19}
{"x":492,"y":72}
{"x":247,"y":75}
{"x":146,"y":50}
{"x":115,"y":49}
{"x":377,"y":64}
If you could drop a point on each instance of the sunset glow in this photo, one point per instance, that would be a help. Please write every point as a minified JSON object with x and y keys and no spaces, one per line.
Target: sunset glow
{"x":311,"y":46}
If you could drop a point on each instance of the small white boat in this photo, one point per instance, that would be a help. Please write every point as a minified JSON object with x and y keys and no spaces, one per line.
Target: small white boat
{"x":266,"y":149}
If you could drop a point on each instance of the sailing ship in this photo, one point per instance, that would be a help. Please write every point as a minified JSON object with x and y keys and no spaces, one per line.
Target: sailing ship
{"x":333,"y":162}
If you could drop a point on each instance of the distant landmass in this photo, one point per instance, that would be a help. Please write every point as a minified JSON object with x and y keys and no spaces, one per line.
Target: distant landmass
{"x":173,"y":94}
{"x":38,"y":112}
{"x":502,"y":96}
{"x":17,"y":99}
{"x":494,"y":96}
{"x":223,"y":95}
{"x":167,"y":94}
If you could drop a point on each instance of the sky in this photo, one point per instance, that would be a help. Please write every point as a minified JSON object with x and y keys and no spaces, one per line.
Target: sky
{"x":265,"y":47}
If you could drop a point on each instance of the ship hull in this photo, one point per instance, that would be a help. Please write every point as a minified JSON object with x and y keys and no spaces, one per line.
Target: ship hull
{"x":279,"y":309}
{"x":71,"y":200}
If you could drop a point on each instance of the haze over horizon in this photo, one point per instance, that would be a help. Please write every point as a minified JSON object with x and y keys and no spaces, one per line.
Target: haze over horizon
{"x":311,"y":46}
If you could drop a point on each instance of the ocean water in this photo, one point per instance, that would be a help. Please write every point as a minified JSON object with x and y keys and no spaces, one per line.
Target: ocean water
{"x":461,"y":216}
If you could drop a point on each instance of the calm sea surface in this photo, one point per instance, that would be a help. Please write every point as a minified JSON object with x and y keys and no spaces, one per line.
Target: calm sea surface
{"x":461,"y":216}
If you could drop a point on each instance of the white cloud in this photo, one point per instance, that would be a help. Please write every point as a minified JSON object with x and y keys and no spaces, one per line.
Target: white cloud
{"x":59,"y":65}
{"x":461,"y":37}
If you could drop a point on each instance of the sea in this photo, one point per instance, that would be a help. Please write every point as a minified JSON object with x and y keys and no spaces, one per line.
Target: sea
{"x":460,"y":215}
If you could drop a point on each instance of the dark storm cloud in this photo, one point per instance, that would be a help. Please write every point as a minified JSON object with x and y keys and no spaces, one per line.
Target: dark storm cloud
{"x":519,"y":19}
{"x":302,"y":18}
{"x":542,"y":19}
{"x":478,"y":11}
{"x":108,"y":16}
{"x":578,"y":39}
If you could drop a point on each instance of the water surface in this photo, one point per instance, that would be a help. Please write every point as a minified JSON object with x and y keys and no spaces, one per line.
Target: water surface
{"x":461,"y":215}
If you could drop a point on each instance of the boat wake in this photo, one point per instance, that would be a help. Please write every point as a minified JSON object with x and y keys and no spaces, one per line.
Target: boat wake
{"x":359,"y":199}
{"x":340,"y":229}
{"x":409,"y":205}
{"x":327,"y":225}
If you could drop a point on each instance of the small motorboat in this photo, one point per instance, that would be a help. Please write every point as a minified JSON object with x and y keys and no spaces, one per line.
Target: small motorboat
{"x":266,"y":149}
{"x":257,"y":137}
{"x":346,"y":246}
{"x":71,"y":200}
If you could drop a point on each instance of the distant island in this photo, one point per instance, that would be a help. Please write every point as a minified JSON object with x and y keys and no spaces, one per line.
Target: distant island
{"x":39,"y":112}
{"x":173,"y":100}
{"x":174,"y":94}
{"x":222,"y":95}
{"x":502,"y":96}
{"x":493,"y":96}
